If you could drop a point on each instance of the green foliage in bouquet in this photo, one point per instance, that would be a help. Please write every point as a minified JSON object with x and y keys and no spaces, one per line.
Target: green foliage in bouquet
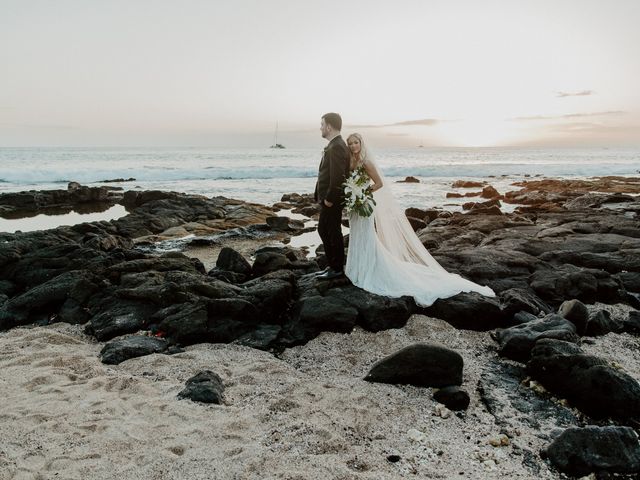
{"x":358,"y":193}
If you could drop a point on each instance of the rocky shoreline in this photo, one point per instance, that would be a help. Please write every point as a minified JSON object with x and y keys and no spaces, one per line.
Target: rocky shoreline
{"x":565,"y":265}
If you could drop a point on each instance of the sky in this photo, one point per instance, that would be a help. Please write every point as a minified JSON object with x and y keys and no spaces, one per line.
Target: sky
{"x":404,"y":73}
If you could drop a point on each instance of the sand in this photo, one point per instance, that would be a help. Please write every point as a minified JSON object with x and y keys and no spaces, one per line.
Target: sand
{"x":305,"y":415}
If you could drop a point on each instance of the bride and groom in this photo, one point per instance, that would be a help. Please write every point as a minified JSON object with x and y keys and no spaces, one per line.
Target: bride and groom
{"x":385,"y":256}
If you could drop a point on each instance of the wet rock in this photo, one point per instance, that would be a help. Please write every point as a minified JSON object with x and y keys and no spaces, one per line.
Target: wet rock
{"x":232,"y":261}
{"x":118,"y":351}
{"x":409,"y":180}
{"x":593,"y":449}
{"x":589,"y":383}
{"x":205,"y":387}
{"x":576,"y":312}
{"x":421,"y":364}
{"x":517,"y":342}
{"x":453,"y":397}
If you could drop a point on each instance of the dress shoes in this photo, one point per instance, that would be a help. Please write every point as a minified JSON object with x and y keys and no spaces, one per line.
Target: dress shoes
{"x":321,"y":272}
{"x":330,"y":275}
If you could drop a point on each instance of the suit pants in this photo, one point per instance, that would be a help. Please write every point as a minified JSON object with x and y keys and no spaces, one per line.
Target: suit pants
{"x":330,"y":230}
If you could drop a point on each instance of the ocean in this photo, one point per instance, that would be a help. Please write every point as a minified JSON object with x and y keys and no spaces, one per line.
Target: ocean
{"x":264,"y":175}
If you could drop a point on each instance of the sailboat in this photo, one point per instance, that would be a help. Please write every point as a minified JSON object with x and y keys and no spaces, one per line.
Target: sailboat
{"x":275,"y":140}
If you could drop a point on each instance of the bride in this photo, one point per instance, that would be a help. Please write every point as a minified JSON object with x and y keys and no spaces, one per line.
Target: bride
{"x":385,"y":256}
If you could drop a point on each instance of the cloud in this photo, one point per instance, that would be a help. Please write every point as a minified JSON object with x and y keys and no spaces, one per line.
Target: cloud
{"x":425,"y":121}
{"x":569,"y":116}
{"x":583,"y":93}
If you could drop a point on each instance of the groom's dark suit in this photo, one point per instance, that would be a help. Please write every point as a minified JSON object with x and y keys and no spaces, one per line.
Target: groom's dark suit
{"x":333,"y":171}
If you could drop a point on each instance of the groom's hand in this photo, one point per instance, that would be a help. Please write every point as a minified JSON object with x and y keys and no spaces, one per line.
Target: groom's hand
{"x":328,"y":204}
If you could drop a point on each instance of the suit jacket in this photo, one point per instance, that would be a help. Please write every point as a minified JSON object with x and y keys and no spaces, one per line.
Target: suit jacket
{"x":333,"y":171}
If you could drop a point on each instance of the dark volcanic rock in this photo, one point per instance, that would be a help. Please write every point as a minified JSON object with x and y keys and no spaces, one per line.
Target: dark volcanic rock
{"x":601,"y":323}
{"x":588,"y":382}
{"x":266,"y":262}
{"x":284,"y":224}
{"x":576,"y":312}
{"x":592,"y":449}
{"x":454,"y":398}
{"x":205,"y":387}
{"x":516,"y":300}
{"x":232,"y":261}
{"x":568,"y":281}
{"x":422,"y":365}
{"x":375,"y":312}
{"x":469,"y":311}
{"x":123,"y":349}
{"x":114,"y":318}
{"x":516,"y":342}
{"x":316,"y":314}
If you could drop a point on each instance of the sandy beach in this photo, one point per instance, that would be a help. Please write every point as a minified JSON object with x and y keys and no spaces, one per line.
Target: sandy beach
{"x":305,"y":415}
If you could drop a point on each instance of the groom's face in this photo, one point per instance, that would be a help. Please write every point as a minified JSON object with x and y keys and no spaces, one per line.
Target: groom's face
{"x":325,"y":128}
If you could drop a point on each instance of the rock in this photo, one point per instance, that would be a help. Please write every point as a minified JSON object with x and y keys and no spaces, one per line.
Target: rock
{"x":118,"y":351}
{"x":232,"y":261}
{"x":568,"y":281}
{"x":516,"y":342}
{"x":421,"y":364}
{"x":516,"y":300}
{"x":416,"y":435}
{"x":416,"y":223}
{"x":632,"y":323}
{"x":206,"y":387}
{"x":266,"y":262}
{"x":601,"y":323}
{"x":284,"y":224}
{"x":211,"y":320}
{"x":375,"y":312}
{"x":416,"y":213}
{"x":593,"y":449}
{"x":469,"y":311}
{"x":118,"y":317}
{"x":467,"y":184}
{"x":409,"y":180}
{"x":500,"y":440}
{"x":316,"y":314}
{"x":453,"y":397}
{"x":587,"y":382}
{"x":576,"y":312}
{"x":490,"y":192}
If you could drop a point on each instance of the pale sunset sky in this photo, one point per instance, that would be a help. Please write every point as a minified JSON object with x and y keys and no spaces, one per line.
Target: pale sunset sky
{"x":408,"y":72}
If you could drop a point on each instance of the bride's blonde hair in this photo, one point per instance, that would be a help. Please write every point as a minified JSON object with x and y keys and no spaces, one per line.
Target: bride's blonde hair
{"x":363,"y":151}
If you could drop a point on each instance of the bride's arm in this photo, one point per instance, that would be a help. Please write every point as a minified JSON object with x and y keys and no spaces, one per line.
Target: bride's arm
{"x":373,"y":174}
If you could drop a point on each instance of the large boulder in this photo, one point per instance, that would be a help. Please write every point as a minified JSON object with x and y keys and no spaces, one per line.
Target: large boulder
{"x":576,"y":312}
{"x":232,"y":261}
{"x":593,"y":449}
{"x":421,"y":364}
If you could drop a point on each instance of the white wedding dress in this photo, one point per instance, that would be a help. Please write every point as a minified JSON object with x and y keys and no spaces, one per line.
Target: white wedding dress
{"x":386,"y":257}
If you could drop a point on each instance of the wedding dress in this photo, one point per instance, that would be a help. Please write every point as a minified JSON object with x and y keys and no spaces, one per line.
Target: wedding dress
{"x":386,"y":257}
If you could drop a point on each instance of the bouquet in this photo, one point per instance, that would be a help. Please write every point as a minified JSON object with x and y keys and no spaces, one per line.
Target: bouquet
{"x":358,"y":195}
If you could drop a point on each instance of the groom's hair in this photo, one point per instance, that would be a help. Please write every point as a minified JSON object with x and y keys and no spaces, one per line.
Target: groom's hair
{"x":334,"y":120}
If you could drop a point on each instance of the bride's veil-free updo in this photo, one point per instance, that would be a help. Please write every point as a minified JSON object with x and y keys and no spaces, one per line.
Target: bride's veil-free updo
{"x":392,"y":227}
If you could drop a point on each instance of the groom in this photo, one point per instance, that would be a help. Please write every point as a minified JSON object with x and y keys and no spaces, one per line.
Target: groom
{"x":334,"y":170}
